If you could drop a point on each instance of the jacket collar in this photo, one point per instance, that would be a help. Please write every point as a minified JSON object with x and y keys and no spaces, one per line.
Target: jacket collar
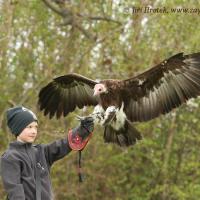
{"x":18,"y":144}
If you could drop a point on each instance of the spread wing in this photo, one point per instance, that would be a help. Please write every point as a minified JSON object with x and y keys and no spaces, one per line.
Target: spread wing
{"x":65,"y":93}
{"x":162,"y":88}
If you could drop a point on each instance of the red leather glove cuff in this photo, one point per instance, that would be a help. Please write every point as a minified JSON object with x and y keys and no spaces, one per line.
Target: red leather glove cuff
{"x":76,"y":142}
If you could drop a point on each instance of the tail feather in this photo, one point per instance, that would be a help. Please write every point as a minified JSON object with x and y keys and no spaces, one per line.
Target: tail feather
{"x":126,"y":136}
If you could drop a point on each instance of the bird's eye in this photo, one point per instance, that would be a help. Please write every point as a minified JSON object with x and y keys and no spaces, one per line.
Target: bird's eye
{"x":99,"y":89}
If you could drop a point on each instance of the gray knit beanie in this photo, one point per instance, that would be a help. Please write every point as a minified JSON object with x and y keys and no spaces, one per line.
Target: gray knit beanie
{"x":18,"y":118}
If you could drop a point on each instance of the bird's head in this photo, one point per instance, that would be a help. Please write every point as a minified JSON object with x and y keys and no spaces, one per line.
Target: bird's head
{"x":99,"y":89}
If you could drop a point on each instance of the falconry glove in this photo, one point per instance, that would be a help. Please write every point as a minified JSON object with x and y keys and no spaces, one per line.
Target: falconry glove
{"x":78,"y":137}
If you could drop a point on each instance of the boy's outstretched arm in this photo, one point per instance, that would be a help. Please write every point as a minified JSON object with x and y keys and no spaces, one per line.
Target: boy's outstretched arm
{"x":76,"y":140}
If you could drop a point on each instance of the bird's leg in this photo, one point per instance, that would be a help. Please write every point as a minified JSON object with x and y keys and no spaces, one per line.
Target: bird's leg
{"x":109,"y":115}
{"x":101,"y":116}
{"x":98,"y":114}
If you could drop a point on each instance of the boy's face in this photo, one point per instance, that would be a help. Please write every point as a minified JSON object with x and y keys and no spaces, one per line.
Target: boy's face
{"x":29,"y":134}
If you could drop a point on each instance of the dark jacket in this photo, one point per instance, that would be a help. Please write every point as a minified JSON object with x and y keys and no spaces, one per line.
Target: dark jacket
{"x":18,"y":168}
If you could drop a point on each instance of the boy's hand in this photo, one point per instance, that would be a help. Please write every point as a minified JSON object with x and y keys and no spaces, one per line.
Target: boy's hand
{"x":86,"y":127}
{"x":79,"y":136}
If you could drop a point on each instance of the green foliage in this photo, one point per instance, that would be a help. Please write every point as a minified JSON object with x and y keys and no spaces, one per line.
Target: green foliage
{"x":35,"y":47}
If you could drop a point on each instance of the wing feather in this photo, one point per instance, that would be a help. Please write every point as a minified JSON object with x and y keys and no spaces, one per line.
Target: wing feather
{"x":65,"y":93}
{"x":162,"y":88}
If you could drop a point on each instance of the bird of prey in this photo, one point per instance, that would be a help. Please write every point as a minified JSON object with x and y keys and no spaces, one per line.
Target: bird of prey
{"x":119,"y":102}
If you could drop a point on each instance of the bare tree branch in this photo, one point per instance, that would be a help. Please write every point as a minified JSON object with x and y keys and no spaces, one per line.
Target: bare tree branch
{"x":86,"y":33}
{"x":97,"y":18}
{"x":55,"y":8}
{"x":69,"y":18}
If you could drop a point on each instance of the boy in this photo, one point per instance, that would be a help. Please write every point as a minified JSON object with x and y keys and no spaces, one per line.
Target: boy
{"x":25,"y":168}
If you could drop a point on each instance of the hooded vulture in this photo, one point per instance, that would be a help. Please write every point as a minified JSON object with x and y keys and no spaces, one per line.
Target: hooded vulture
{"x":119,"y":102}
